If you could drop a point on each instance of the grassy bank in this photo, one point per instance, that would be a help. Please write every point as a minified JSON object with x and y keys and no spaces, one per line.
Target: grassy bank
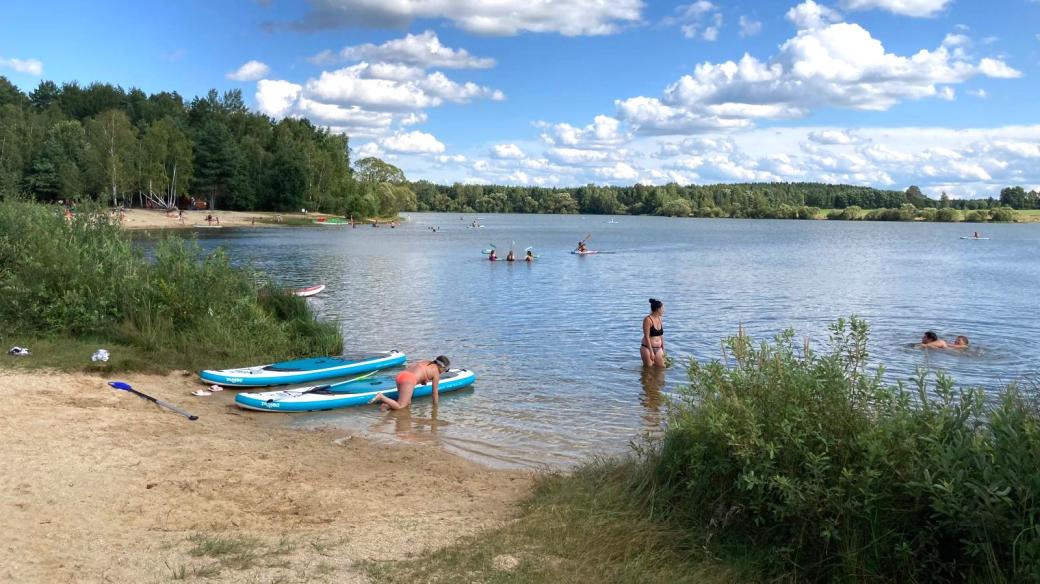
{"x":781,"y":464}
{"x":69,"y":287}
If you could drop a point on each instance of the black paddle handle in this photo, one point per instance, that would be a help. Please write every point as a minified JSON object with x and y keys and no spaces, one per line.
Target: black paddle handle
{"x":166,"y":405}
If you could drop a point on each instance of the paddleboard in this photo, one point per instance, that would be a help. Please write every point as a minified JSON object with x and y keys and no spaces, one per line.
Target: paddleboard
{"x":589,"y":252}
{"x":310,"y":290}
{"x":345,"y":394}
{"x":302,"y":370}
{"x":980,"y":238}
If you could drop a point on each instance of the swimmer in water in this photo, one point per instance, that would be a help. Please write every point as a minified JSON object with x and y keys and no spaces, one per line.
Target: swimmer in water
{"x":511,"y":256}
{"x":492,"y":256}
{"x":961,"y":342}
{"x":930,"y":340}
{"x":529,"y":257}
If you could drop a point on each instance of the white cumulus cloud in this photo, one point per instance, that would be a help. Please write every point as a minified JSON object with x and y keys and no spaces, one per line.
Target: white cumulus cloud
{"x":809,"y":14}
{"x":250,"y":71}
{"x":838,"y":65}
{"x":412,"y":143}
{"x":749,"y":27}
{"x":507,"y":151}
{"x":27,"y":66}
{"x":701,"y":19}
{"x":276,"y":98}
{"x":419,"y":50}
{"x":919,"y":8}
{"x":502,"y":17}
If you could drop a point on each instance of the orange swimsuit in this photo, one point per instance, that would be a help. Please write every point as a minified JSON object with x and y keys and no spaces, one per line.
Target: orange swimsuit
{"x":407,"y":377}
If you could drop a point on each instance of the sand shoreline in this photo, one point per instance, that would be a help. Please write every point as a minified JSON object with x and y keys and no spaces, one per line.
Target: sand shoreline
{"x":158,"y":219}
{"x":100,"y":485}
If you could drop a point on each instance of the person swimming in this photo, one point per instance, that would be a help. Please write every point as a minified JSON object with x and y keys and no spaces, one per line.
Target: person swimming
{"x":529,"y":257}
{"x":961,"y":342}
{"x":493,"y":256}
{"x":930,"y":340}
{"x":511,"y":256}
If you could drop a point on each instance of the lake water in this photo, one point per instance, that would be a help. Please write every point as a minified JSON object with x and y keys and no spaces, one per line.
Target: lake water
{"x":555,"y":343}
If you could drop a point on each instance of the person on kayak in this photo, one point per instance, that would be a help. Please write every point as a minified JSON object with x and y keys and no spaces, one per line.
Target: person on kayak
{"x":529,"y":257}
{"x":582,"y":248}
{"x":652,"y":349}
{"x":419,"y":373}
{"x":511,"y":256}
{"x":930,"y":340}
{"x":492,"y":256}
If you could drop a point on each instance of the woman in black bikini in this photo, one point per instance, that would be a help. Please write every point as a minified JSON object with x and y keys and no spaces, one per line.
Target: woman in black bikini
{"x":652,"y":350}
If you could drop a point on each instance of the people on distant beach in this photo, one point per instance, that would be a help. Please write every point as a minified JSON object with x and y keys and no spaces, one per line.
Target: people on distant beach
{"x":419,"y":373}
{"x":652,"y":348}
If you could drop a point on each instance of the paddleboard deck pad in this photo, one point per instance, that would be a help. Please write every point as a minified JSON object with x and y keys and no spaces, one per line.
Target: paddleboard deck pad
{"x":345,"y":394}
{"x":302,"y":370}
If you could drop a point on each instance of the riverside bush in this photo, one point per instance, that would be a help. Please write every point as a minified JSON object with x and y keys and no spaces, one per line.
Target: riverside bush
{"x":84,"y":278}
{"x":829,"y":474}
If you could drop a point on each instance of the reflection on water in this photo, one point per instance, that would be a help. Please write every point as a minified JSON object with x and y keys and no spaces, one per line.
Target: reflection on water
{"x":554,"y":342}
{"x":652,"y":379}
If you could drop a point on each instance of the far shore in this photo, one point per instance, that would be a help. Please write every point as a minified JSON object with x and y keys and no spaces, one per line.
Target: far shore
{"x":160,"y":219}
{"x":100,"y":485}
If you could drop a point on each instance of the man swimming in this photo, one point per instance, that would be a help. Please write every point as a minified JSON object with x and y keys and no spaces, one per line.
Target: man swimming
{"x":930,"y":340}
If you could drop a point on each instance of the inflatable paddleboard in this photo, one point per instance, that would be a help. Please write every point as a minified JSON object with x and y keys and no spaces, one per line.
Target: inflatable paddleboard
{"x":309,"y":291}
{"x":345,"y":394}
{"x":302,"y":370}
{"x":968,"y":237}
{"x":589,"y":252}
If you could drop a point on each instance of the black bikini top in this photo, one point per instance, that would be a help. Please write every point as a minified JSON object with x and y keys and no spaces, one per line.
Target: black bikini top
{"x":656,"y":332}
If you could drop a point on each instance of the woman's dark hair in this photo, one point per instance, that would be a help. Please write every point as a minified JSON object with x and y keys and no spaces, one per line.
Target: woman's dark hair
{"x":931,"y":336}
{"x":442,"y":362}
{"x":655,"y":304}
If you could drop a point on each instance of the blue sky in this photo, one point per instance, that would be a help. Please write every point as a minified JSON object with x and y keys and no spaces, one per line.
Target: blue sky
{"x":939,"y":93}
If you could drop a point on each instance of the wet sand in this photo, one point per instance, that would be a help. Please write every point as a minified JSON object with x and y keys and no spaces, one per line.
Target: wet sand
{"x":99,"y":485}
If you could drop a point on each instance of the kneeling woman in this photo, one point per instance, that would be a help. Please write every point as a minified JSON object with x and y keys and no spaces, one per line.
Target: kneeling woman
{"x":419,"y":373}
{"x":652,"y":349}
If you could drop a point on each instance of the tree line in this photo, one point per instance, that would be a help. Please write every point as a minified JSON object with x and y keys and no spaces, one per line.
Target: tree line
{"x":742,"y":200}
{"x":127,"y":147}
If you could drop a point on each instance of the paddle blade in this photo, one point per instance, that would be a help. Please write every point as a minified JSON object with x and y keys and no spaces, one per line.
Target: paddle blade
{"x":120,"y":385}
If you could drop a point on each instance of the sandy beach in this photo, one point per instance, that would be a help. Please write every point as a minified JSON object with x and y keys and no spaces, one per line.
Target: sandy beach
{"x":157,"y":219}
{"x":99,"y":485}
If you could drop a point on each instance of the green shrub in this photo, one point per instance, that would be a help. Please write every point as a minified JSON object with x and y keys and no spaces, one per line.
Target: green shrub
{"x":977,"y":216}
{"x":948,"y":215}
{"x":86,"y":279}
{"x":1003,"y":214}
{"x":835,"y":476}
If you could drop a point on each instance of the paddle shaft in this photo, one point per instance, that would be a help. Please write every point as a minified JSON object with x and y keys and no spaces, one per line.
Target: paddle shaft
{"x":166,"y":405}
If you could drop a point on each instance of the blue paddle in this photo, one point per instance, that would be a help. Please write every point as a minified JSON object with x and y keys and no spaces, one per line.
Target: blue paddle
{"x":126,"y":387}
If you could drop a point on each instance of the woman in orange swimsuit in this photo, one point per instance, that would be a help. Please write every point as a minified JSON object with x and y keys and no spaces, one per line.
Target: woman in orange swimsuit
{"x":421,"y":372}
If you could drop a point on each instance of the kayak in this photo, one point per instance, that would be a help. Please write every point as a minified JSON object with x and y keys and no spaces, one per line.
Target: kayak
{"x":345,"y":394}
{"x":309,"y":291}
{"x":969,"y":237}
{"x":302,"y":370}
{"x":589,"y":252}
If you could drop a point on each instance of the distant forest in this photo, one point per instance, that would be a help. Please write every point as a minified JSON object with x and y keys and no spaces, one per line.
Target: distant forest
{"x":126,"y":147}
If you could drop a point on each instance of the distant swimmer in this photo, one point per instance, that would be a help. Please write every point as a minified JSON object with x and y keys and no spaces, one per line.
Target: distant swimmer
{"x":652,"y":348}
{"x":529,"y":257}
{"x":421,"y":372}
{"x":961,"y":342}
{"x":511,"y":256}
{"x":492,"y":256}
{"x":930,"y":340}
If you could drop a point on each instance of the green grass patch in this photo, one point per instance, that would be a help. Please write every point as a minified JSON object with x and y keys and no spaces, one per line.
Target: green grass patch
{"x":68,"y":288}
{"x":586,"y":526}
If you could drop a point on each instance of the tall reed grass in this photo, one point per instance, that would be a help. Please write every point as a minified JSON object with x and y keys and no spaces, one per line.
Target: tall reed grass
{"x":85,"y":279}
